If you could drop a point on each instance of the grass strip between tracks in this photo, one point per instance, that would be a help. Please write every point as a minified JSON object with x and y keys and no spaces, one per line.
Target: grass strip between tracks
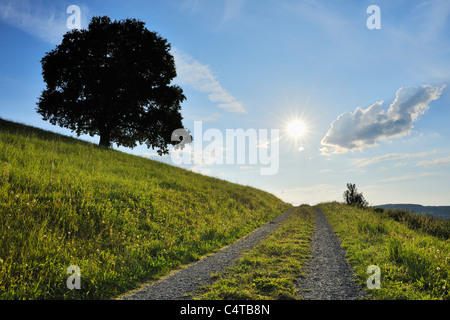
{"x":270,"y":270}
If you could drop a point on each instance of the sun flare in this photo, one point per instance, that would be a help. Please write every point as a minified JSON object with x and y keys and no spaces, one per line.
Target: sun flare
{"x":296,"y":128}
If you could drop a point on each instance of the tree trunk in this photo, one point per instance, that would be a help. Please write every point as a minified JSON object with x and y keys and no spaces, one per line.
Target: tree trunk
{"x":105,"y":138}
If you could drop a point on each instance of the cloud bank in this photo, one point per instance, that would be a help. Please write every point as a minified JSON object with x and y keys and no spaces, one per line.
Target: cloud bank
{"x":200,"y":77}
{"x":365,"y":127}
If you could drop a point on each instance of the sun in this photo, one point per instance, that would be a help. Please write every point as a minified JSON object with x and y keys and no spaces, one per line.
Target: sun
{"x":296,"y":128}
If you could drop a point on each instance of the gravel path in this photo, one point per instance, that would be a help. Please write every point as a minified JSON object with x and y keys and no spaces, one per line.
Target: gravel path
{"x":328,"y":275}
{"x":178,"y":285}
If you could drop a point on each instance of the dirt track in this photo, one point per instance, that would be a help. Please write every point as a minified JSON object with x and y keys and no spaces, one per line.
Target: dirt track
{"x":329,"y":276}
{"x":179,"y":284}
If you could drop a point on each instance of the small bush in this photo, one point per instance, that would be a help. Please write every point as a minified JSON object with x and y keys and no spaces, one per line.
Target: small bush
{"x":354,"y":198}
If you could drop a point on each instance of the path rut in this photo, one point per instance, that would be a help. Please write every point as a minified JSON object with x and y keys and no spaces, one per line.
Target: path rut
{"x":328,"y":275}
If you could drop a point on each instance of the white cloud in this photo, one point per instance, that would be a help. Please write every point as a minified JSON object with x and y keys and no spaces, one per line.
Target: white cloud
{"x":365,"y":127}
{"x":400,"y":178}
{"x":201,"y":78}
{"x":435,"y":162}
{"x":406,"y":177}
{"x":389,"y":157}
{"x":41,"y":19}
{"x":400,"y":164}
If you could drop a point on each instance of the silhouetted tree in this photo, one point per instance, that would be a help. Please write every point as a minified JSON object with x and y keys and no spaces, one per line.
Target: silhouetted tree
{"x":353,"y":197}
{"x":113,"y":80}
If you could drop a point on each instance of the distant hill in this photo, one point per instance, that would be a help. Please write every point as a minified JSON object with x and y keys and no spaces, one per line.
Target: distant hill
{"x":440,"y":211}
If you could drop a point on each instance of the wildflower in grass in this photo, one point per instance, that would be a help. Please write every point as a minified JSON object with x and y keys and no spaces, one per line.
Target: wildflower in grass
{"x":438,"y":268}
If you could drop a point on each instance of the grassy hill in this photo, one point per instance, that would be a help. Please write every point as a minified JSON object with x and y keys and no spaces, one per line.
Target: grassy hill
{"x":121,"y":219}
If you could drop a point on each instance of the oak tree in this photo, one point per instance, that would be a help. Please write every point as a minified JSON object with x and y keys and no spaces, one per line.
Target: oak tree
{"x":113,"y":79}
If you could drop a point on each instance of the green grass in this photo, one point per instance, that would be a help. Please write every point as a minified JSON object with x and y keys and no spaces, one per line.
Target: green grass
{"x":270,"y":270}
{"x":122,"y":219}
{"x":427,"y":223}
{"x":414,"y":264}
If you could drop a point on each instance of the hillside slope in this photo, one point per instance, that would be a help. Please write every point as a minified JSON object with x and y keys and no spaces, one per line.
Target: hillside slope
{"x":121,"y":219}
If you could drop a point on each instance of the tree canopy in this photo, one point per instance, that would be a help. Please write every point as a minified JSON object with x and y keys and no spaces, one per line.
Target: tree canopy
{"x":113,"y":80}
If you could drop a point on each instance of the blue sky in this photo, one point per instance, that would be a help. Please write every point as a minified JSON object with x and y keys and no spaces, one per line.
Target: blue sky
{"x":376,"y":103}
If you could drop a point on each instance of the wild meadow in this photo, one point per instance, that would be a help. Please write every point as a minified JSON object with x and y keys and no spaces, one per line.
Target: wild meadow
{"x":122,"y":219}
{"x":413,"y":253}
